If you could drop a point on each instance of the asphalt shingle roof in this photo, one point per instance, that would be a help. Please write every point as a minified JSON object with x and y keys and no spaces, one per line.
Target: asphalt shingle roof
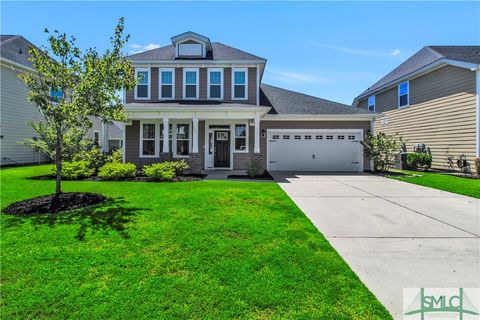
{"x":426,"y":56}
{"x":285,"y":101}
{"x":219,"y":51}
{"x":15,"y":48}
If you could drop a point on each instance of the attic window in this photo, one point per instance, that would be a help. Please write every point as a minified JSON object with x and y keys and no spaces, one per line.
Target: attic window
{"x":190,"y":49}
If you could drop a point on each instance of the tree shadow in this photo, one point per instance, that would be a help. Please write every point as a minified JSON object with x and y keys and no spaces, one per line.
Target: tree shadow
{"x":111,"y":215}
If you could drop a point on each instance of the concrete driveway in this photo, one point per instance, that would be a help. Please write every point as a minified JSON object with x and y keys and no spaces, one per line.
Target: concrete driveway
{"x":393,"y":234}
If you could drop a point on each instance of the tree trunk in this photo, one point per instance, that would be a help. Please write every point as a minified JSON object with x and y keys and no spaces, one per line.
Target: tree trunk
{"x":58,"y":164}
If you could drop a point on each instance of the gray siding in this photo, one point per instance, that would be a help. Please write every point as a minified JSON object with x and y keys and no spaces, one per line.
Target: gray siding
{"x":16,"y":113}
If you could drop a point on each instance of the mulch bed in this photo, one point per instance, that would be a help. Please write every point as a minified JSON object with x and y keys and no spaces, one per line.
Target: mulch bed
{"x":53,"y":204}
{"x":180,"y":178}
{"x":264,"y":176}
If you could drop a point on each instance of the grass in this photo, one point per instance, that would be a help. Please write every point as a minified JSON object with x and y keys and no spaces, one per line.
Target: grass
{"x":196,"y":250}
{"x":460,"y":185}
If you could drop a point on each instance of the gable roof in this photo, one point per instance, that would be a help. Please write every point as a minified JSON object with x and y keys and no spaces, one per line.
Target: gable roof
{"x":220,"y":52}
{"x":15,"y":48}
{"x":283,"y":101}
{"x":424,"y":58}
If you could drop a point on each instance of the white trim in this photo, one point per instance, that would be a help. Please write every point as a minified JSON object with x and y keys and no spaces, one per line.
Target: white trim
{"x":229,"y":123}
{"x":160,"y":70}
{"x":426,"y":69}
{"x":408,"y":95}
{"x":323,"y":117}
{"x":149,"y":84}
{"x":478,"y":110}
{"x":258,"y":84}
{"x":359,"y":131}
{"x":256,"y":146}
{"x":374,"y":102}
{"x":185,"y":70}
{"x":99,"y":135}
{"x":235,"y":69}
{"x":195,"y":130}
{"x":247,"y":140}
{"x":124,"y":138}
{"x":221,"y":83}
{"x":156,"y":138}
{"x":165,"y":63}
{"x":166,"y":135}
{"x":177,"y":44}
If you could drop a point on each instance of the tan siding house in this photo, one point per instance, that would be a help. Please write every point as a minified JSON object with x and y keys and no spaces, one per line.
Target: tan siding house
{"x":442,"y":110}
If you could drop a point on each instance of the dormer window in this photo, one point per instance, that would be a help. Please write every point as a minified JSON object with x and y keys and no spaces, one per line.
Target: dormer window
{"x":239,"y":83}
{"x":142,"y":89}
{"x":190,"y":83}
{"x":190,"y":49}
{"x":191,"y":45}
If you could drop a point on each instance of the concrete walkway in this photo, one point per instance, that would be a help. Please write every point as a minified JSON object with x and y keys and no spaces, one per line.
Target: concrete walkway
{"x":393,"y":234}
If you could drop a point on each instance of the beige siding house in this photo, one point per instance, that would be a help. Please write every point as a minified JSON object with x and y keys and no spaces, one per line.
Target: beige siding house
{"x":432,"y":98}
{"x":205,"y":102}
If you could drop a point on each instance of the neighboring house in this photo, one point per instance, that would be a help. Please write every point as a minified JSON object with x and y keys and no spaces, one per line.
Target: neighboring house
{"x":16,"y":112}
{"x":204,"y":102}
{"x":431,"y":98}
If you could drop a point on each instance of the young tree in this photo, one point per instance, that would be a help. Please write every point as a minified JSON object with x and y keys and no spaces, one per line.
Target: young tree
{"x":382,"y":149}
{"x":70,"y":86}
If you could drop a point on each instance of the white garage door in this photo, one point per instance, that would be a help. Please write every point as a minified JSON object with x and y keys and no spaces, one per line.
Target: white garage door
{"x":314,"y":150}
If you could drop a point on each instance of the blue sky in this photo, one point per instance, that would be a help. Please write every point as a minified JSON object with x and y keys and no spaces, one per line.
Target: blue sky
{"x":333,"y":50}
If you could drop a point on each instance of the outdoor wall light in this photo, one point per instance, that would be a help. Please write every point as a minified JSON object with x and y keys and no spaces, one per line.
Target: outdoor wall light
{"x":263,"y":133}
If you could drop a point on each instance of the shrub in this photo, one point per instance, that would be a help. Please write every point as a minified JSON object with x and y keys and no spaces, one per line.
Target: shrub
{"x":114,"y":157}
{"x":178,"y":166}
{"x":477,"y":165}
{"x":117,"y":171}
{"x":417,"y":160}
{"x":254,"y":170}
{"x":76,"y":169}
{"x":160,"y":171}
{"x":94,"y":156}
{"x":382,"y":149}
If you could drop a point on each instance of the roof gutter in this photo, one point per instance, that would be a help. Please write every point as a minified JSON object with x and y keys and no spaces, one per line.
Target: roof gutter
{"x":197,"y":61}
{"x":16,"y":64}
{"x":322,"y":117}
{"x":428,"y":68}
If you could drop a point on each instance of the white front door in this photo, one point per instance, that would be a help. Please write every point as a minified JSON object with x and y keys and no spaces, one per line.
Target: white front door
{"x":314,"y":150}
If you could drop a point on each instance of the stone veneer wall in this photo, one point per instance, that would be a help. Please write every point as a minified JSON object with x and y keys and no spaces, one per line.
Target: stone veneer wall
{"x":195,"y":162}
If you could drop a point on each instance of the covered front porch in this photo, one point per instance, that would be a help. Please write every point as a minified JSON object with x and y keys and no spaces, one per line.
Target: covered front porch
{"x":208,"y":138}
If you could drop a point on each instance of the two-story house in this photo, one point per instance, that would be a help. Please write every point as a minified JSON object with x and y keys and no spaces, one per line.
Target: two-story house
{"x":431,"y":98}
{"x":204,"y":102}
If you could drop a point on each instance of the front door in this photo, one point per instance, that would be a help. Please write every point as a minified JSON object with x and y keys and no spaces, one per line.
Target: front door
{"x":221,"y":149}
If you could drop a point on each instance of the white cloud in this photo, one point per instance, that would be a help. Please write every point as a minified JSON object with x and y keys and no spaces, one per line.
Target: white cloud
{"x":395,"y":52}
{"x":356,"y":51}
{"x":139,"y":48}
{"x":293,"y":77}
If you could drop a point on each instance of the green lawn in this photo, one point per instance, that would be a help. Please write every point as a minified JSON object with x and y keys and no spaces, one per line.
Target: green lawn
{"x":197,"y":250}
{"x":460,"y":185}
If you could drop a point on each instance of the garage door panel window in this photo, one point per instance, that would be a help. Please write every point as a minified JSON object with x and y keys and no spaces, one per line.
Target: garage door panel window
{"x":275,"y":137}
{"x":319,"y":137}
{"x":286,"y":137}
{"x":297,"y":137}
{"x":308,"y":137}
{"x":329,"y":137}
{"x":341,"y":137}
{"x":241,"y":138}
{"x":351,"y":137}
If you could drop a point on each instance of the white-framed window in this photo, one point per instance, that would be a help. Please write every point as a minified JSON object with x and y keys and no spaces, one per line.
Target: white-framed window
{"x":166,"y":83}
{"x":239,"y":83}
{"x":403,"y":94}
{"x":142,"y":89}
{"x":96,"y":137}
{"x":371,"y":103}
{"x":190,"y":83}
{"x":241,"y":137}
{"x":148,"y":140}
{"x":215,"y":83}
{"x":182,"y":139}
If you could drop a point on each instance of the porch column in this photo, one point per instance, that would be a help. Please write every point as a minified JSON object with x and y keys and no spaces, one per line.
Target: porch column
{"x":195,"y":135}
{"x":166,"y":146}
{"x":256,"y":148}
{"x":105,"y":137}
